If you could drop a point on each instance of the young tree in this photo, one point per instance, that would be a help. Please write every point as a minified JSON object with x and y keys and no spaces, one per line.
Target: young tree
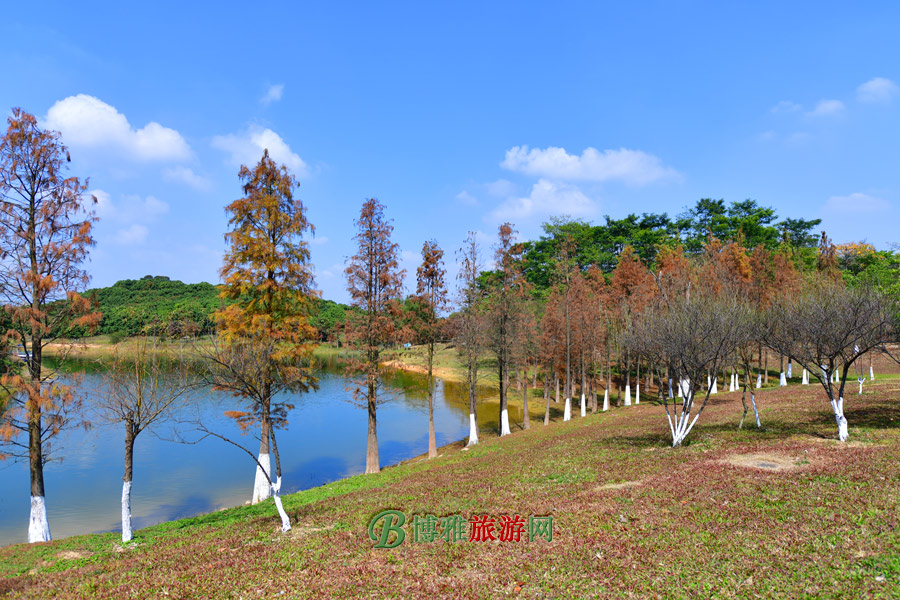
{"x":692,"y":335}
{"x":45,"y":234}
{"x":469,"y":324}
{"x":266,"y":339}
{"x":826,"y":328}
{"x":432,"y":294}
{"x":375,"y":281}
{"x":144,"y":383}
{"x":504,"y":311}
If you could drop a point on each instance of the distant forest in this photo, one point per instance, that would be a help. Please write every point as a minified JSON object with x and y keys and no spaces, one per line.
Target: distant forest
{"x":168,"y":308}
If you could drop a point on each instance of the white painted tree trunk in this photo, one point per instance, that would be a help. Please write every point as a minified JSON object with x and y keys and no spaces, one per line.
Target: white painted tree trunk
{"x":606,"y":400}
{"x":637,"y":394}
{"x":805,"y":378}
{"x":680,"y":382}
{"x":670,"y":389}
{"x":285,"y":521}
{"x":583,"y":406}
{"x":682,"y":424}
{"x":261,"y":487}
{"x":758,"y":380}
{"x":783,"y":380}
{"x":715,"y":386}
{"x":127,"y":533}
{"x":504,"y":423}
{"x":789,"y":370}
{"x":473,"y":430}
{"x":871,"y":373}
{"x":627,"y":394}
{"x":38,"y":526}
{"x":708,"y":382}
{"x":567,"y":412}
{"x":860,"y":380}
{"x":755,"y":410}
{"x":843,"y":433}
{"x":731,"y":385}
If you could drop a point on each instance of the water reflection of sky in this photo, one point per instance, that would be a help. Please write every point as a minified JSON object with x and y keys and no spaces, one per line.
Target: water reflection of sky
{"x":326,"y":440}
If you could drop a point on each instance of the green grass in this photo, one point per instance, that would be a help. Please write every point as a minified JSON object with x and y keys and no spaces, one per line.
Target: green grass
{"x":632,"y":518}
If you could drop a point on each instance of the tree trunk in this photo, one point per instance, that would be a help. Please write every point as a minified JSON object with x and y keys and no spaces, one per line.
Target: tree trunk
{"x":547,"y":397}
{"x":130,"y":435}
{"x":556,"y":379}
{"x":526,"y":418}
{"x":276,"y":486}
{"x":504,"y":413}
{"x":432,"y":442}
{"x":261,"y":487}
{"x":38,"y":526}
{"x":372,"y":465}
{"x":473,"y":398}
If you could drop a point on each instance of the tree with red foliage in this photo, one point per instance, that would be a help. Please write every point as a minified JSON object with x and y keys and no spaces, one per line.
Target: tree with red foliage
{"x":375,"y":283}
{"x":265,"y":339}
{"x":45,"y":233}
{"x":505,"y":306}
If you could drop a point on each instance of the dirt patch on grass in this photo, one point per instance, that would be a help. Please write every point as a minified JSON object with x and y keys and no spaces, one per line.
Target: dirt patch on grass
{"x":73,"y":554}
{"x":763,"y":462}
{"x":619,"y":486}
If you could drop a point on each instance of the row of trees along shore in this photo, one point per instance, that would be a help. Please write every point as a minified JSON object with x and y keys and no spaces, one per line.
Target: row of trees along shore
{"x":675,"y":304}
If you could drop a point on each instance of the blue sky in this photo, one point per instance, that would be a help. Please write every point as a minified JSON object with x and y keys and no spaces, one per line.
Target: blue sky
{"x":459,"y":116}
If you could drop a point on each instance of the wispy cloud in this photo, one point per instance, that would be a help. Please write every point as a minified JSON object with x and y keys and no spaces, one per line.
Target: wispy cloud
{"x":273,"y":94}
{"x":856,"y":203}
{"x":546,"y":198}
{"x":188,"y":177}
{"x":629,"y":166}
{"x":877,"y":91}
{"x":827,"y":108}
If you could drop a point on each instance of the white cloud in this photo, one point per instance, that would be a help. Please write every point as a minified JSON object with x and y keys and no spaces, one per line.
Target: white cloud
{"x":630,"y":166}
{"x":130,"y":209}
{"x":467,"y":198}
{"x":88,"y":122}
{"x":786,"y":106}
{"x":877,"y":90}
{"x":188,"y":177}
{"x":856,"y":203}
{"x":247,"y":148}
{"x":104,"y":206}
{"x":130,"y":236}
{"x":273,"y":94}
{"x":501,"y":188}
{"x":318,"y":241}
{"x":546,"y":198}
{"x":826,"y":108}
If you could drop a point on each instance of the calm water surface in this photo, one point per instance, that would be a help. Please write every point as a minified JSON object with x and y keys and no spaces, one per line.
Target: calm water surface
{"x":326,"y":440}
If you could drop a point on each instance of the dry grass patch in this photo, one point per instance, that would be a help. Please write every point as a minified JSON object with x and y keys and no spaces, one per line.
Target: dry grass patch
{"x":764,"y":462}
{"x":619,"y":486}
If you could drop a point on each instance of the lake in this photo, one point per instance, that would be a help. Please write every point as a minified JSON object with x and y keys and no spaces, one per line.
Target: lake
{"x":325,"y":441}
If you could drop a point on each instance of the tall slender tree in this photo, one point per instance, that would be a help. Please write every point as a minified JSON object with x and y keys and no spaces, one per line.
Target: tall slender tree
{"x":468,"y":327}
{"x":432,"y":294}
{"x":267,"y":340}
{"x":505,"y":307}
{"x":45,"y":233}
{"x":375,"y":282}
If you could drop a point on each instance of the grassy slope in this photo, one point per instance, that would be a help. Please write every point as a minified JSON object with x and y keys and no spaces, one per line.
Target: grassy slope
{"x":688,"y":524}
